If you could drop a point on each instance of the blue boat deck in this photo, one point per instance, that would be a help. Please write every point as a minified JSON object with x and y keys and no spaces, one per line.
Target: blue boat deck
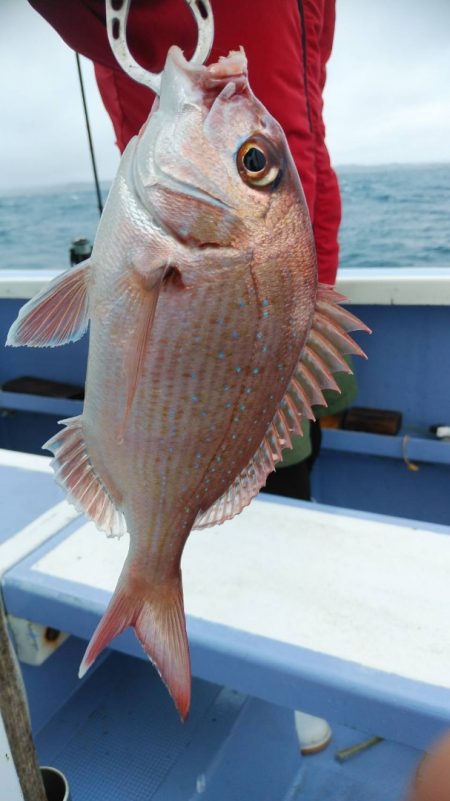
{"x":118,"y":738}
{"x":356,"y":633}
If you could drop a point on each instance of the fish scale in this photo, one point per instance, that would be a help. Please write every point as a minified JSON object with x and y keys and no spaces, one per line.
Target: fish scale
{"x":210,"y":341}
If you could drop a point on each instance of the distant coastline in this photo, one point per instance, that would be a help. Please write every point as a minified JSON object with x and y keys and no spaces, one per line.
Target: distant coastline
{"x":105,"y":183}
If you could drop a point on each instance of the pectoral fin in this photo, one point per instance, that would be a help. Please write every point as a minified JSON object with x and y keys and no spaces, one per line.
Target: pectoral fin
{"x":143,"y":298}
{"x":57,"y":315}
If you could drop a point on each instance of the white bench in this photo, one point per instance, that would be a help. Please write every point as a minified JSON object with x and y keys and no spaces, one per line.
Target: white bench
{"x":344,"y":615}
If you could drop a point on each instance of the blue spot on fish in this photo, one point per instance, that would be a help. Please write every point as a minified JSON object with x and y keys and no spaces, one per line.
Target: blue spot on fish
{"x":221,"y":354}
{"x":265,"y":302}
{"x":255,"y":370}
{"x":237,"y":369}
{"x":194,"y":398}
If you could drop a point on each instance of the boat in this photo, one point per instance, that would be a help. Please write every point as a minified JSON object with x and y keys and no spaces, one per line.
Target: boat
{"x":337,"y":607}
{"x":345,"y":617}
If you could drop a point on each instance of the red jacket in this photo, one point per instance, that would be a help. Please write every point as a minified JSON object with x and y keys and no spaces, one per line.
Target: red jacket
{"x":287,"y":43}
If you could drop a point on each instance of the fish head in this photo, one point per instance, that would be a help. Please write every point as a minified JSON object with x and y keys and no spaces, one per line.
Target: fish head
{"x":211,"y":164}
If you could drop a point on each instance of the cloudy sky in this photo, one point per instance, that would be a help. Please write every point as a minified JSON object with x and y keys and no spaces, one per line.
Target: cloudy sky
{"x":387,"y":98}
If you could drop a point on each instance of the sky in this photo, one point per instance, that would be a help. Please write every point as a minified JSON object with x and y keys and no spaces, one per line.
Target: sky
{"x":387,"y":97}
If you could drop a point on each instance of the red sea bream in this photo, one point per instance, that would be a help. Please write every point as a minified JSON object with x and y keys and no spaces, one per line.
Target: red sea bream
{"x":210,"y":339}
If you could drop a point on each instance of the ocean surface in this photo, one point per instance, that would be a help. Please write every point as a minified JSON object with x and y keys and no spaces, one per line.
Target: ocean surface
{"x":393,"y":216}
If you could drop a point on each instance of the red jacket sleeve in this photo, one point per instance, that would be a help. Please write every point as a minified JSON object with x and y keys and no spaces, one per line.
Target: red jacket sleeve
{"x":287,"y":48}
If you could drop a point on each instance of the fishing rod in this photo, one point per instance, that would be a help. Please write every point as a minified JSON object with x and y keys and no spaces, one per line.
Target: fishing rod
{"x":88,"y":129}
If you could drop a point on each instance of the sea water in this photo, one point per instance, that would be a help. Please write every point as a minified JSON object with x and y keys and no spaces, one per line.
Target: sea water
{"x":393,"y":216}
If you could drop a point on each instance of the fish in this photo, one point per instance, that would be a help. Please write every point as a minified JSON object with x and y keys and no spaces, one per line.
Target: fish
{"x":210,"y":341}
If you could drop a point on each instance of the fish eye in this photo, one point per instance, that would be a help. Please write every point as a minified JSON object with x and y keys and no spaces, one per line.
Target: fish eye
{"x":254,"y":160}
{"x":258,"y":162}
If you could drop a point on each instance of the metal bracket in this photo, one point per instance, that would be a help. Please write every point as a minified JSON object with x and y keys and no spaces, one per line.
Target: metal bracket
{"x":116,"y":24}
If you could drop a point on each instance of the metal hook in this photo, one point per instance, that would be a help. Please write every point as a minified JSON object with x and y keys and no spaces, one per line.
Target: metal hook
{"x":116,"y":24}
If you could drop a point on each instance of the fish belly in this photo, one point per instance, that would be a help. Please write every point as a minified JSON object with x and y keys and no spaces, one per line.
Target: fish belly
{"x":216,"y":365}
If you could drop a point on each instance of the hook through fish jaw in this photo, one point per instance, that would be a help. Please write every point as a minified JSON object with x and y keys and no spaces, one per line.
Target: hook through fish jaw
{"x":116,"y":24}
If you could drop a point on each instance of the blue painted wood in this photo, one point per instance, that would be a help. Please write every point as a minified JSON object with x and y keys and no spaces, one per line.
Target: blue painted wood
{"x":383,"y":485}
{"x":27,"y":431}
{"x":40,"y":403}
{"x":407,"y":359}
{"x":66,"y":364}
{"x":395,"y":447}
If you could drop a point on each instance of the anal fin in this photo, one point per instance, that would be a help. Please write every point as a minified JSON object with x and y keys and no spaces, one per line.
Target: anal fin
{"x":57,"y":315}
{"x":75,"y":472}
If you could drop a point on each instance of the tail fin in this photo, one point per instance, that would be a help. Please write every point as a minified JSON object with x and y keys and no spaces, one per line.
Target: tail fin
{"x":156,"y":612}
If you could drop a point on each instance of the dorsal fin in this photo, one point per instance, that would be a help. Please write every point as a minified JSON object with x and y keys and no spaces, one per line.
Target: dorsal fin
{"x":322,"y":354}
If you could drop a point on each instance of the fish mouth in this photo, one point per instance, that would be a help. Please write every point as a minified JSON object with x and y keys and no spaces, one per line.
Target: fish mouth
{"x":184,"y":82}
{"x":229,"y":67}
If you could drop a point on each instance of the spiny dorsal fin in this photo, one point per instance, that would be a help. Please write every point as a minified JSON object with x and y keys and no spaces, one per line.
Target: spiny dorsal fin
{"x":57,"y":315}
{"x":321,"y":355}
{"x":75,"y":472}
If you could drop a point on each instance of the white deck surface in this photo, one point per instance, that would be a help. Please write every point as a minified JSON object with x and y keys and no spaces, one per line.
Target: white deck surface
{"x":371,"y":592}
{"x":43,"y":527}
